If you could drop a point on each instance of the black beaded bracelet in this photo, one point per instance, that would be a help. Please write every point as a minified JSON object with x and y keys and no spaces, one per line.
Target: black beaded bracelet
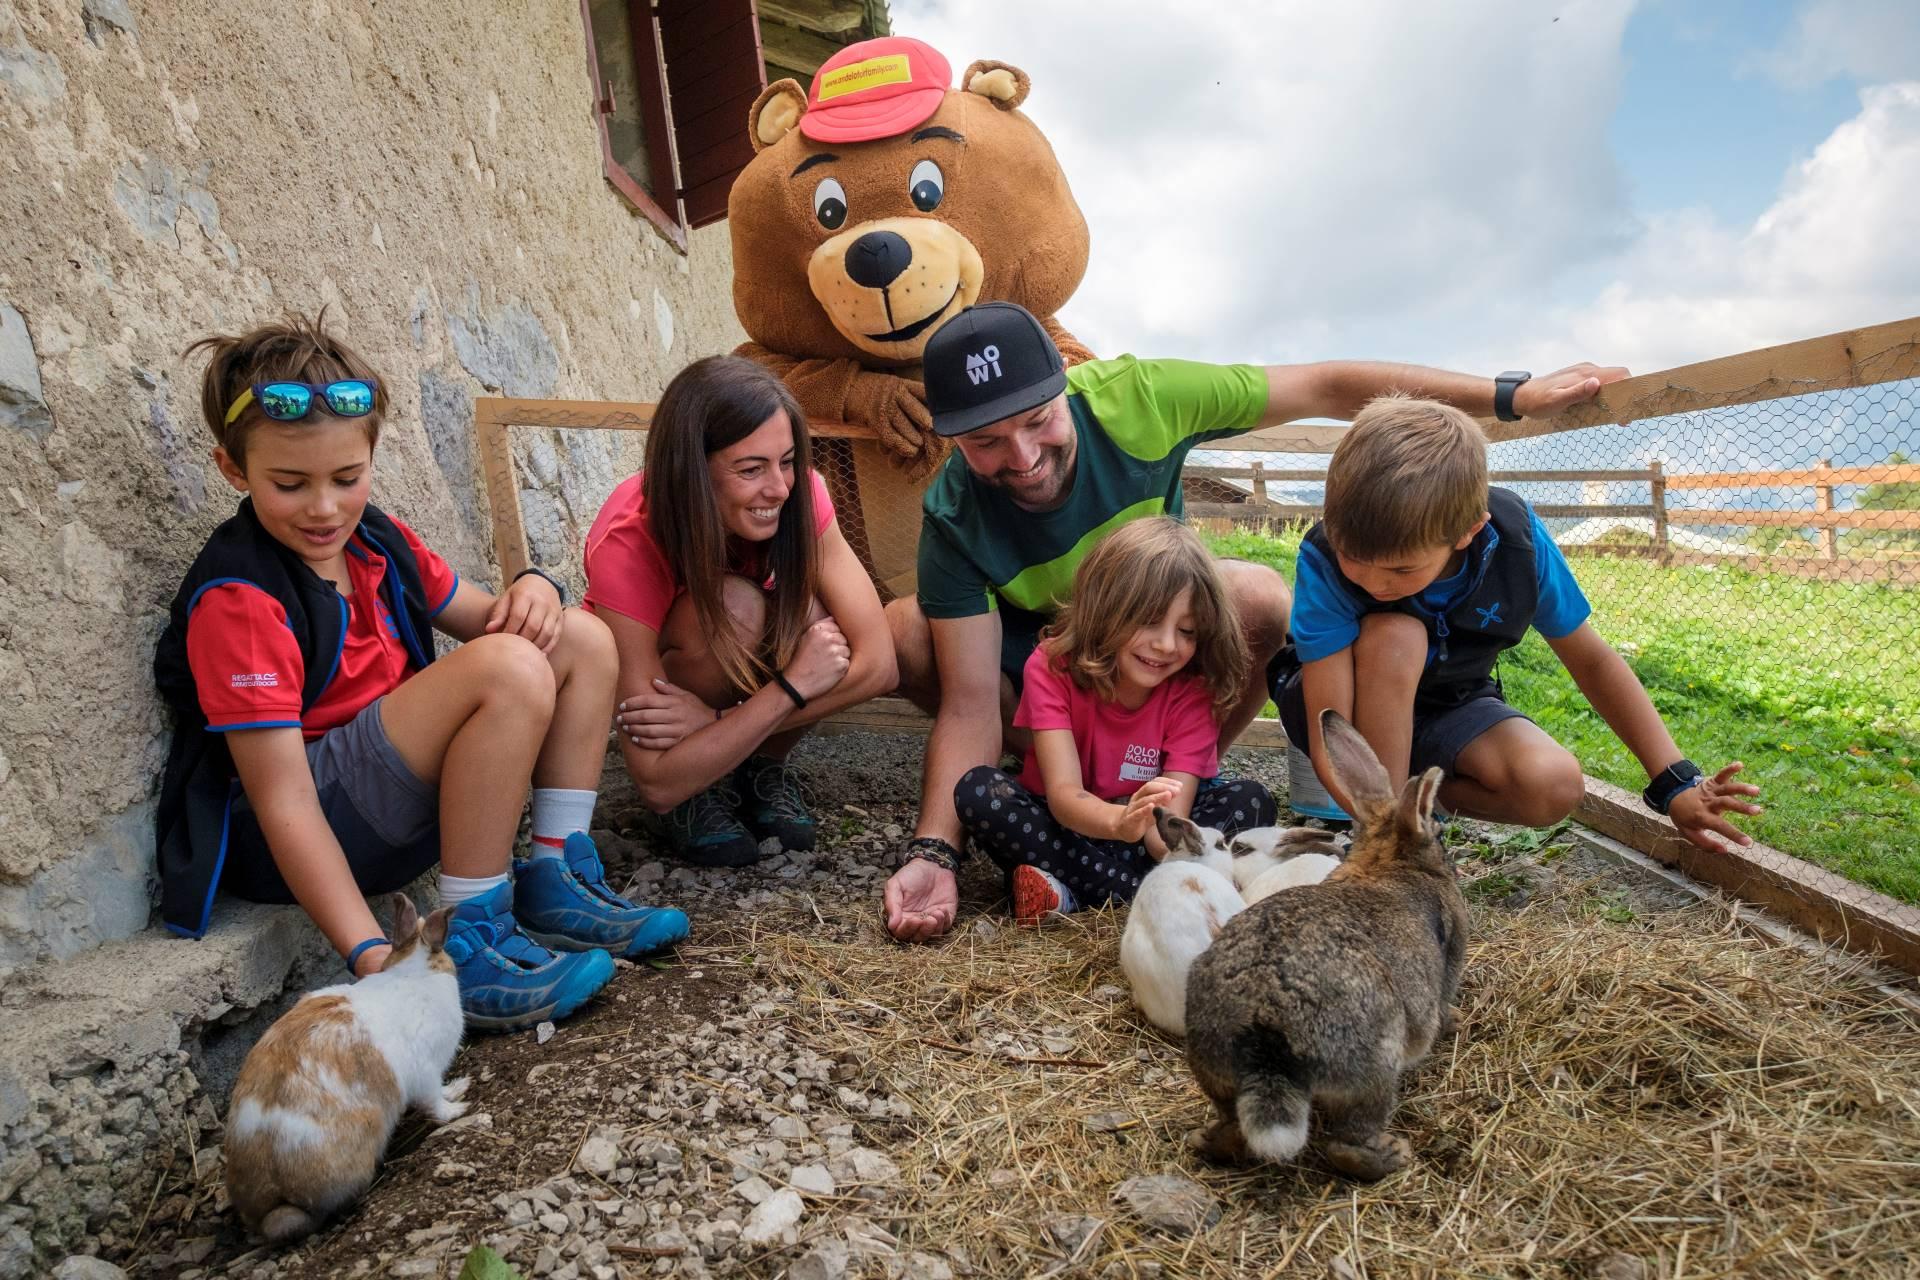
{"x":799,"y":702}
{"x":932,"y":849}
{"x":552,"y":581}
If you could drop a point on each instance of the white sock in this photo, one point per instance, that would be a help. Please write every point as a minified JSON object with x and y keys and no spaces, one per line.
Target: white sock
{"x":455,"y":890}
{"x":557,"y":814}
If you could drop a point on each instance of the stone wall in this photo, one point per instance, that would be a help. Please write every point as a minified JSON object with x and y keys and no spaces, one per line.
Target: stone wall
{"x":429,"y":172}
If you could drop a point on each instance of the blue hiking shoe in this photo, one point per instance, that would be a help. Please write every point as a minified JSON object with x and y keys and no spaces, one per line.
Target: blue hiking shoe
{"x":508,"y":982}
{"x":774,"y":803}
{"x":565,"y":903}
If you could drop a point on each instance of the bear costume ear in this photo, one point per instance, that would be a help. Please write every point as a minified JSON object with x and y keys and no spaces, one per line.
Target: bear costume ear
{"x":775,"y":112}
{"x":1005,"y":86}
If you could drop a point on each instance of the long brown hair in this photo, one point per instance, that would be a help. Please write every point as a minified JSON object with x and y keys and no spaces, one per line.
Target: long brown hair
{"x":1128,"y":581}
{"x":711,"y":404}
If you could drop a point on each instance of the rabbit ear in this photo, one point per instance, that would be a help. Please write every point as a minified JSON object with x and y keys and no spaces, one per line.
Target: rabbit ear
{"x":1416,"y":802}
{"x":435,"y":929}
{"x":405,"y":919}
{"x":1354,"y":764}
{"x":1181,"y":837}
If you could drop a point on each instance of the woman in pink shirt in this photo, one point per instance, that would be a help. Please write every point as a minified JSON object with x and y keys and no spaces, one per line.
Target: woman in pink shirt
{"x":1123,"y":696}
{"x":741,"y":614}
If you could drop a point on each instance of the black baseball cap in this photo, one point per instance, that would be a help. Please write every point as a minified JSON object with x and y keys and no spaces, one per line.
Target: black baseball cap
{"x":991,"y":361}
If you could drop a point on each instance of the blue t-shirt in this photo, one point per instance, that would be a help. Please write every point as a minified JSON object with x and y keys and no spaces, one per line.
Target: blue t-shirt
{"x":1326,"y":619}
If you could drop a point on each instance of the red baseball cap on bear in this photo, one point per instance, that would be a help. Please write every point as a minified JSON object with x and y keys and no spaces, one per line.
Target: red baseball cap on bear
{"x":875,"y":89}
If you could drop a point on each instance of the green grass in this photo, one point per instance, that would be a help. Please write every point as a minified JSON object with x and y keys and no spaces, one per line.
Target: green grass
{"x":1814,"y":685}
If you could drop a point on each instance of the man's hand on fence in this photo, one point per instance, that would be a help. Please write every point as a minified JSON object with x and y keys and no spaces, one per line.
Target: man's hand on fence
{"x":921,"y":900}
{"x":1548,"y":394}
{"x":1696,"y":811}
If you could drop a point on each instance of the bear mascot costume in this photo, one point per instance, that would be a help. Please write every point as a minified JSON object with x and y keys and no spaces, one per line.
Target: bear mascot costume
{"x":877,"y":205}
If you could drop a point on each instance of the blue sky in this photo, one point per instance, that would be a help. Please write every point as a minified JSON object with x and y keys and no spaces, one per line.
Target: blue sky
{"x":1700,"y":122}
{"x":1472,"y":184}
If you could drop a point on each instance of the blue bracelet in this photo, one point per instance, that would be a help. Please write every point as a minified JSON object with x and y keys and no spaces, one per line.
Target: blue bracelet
{"x":360,"y":950}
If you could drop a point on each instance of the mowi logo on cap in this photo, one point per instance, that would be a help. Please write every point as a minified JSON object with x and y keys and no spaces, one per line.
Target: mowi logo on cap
{"x":984,"y":366}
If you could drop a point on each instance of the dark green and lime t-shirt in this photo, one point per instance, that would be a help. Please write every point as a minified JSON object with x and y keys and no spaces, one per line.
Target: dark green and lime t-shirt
{"x":1136,"y":421}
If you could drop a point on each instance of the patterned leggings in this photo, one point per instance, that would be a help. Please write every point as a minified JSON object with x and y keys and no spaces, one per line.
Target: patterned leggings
{"x":1014,"y":827}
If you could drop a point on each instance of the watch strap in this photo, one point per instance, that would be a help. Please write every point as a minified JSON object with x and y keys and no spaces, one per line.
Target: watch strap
{"x":1670,"y":782}
{"x":552,"y":581}
{"x":1504,"y":385}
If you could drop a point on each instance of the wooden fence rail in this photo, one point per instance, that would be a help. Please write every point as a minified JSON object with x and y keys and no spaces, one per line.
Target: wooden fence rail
{"x":1822,"y":478}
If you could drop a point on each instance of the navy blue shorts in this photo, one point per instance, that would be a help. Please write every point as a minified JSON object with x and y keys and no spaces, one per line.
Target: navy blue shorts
{"x":1439,"y":734}
{"x":386,"y":819}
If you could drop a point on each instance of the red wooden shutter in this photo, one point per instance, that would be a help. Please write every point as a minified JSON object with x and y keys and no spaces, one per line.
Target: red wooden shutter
{"x":714,"y":72}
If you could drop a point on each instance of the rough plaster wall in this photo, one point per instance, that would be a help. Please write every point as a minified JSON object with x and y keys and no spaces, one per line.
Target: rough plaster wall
{"x":173,"y":169}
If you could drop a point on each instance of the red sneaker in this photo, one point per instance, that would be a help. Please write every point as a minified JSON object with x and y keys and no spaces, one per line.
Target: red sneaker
{"x":1036,"y":895}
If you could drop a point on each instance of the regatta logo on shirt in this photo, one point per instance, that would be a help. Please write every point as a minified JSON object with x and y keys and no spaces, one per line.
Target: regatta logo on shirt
{"x":984,"y":366}
{"x":1141,"y":764}
{"x":256,"y":680}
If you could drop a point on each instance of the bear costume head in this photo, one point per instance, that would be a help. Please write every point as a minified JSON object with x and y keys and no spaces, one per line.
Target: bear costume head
{"x":883,"y":202}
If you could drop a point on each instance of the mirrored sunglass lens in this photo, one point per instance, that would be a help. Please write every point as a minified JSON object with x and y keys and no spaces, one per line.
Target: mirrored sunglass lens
{"x":351,"y":398}
{"x":285,"y":401}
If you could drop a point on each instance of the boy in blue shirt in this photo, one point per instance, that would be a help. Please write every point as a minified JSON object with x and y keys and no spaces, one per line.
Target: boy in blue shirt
{"x":1407,"y":592}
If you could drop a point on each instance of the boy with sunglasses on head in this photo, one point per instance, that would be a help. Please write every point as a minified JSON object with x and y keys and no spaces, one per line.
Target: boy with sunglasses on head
{"x":322,"y":754}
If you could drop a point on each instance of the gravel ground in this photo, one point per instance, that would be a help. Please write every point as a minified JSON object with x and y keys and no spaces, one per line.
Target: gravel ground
{"x":681,"y":1124}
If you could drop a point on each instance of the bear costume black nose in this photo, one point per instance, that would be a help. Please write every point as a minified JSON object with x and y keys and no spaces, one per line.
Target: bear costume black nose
{"x":877,"y":258}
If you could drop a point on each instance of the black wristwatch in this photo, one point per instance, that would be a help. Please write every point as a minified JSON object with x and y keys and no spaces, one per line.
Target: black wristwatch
{"x":537,"y":571}
{"x":1670,"y":782}
{"x":1504,"y":385}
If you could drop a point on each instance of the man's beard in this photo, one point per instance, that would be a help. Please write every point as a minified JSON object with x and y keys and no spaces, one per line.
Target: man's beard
{"x":1056,"y":477}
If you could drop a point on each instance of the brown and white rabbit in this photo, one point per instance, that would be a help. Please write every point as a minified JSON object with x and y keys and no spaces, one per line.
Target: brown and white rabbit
{"x":319,"y":1096}
{"x":1177,"y":911}
{"x":1316,"y":999}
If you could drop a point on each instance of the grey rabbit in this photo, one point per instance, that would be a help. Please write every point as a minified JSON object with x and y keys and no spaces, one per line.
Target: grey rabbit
{"x":1317,"y":998}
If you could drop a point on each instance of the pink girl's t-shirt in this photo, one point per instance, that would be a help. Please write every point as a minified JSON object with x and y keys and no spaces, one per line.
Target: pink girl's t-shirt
{"x":1173,"y":731}
{"x":629,"y":574}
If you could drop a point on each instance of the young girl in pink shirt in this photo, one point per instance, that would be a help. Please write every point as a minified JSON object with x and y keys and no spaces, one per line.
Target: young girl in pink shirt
{"x":1123,"y":697}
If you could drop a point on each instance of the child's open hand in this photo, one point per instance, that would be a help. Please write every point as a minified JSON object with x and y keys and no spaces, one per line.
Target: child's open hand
{"x":530,"y":607}
{"x":1697,"y":810}
{"x":1137,"y":818}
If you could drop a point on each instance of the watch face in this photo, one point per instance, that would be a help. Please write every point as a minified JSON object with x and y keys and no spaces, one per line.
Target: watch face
{"x":1515,"y":376}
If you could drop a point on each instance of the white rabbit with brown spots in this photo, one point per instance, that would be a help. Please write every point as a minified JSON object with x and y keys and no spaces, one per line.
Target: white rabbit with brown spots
{"x":319,"y":1096}
{"x":1180,"y":908}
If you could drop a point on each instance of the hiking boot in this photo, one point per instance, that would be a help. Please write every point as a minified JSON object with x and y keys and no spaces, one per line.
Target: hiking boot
{"x":1037,"y":895}
{"x":564,"y":903}
{"x":507,"y":981}
{"x":705,"y":830}
{"x":775,"y":804}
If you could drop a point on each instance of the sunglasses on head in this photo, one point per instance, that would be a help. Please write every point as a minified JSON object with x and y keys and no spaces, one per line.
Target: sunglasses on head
{"x":292,"y":401}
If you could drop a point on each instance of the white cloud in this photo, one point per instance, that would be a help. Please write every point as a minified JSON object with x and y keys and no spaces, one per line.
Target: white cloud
{"x":1870,"y":40}
{"x":1269,"y":182}
{"x":1835,"y":250}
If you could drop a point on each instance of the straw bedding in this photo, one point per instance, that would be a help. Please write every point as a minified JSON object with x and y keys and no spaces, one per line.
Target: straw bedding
{"x":1659,"y":1096}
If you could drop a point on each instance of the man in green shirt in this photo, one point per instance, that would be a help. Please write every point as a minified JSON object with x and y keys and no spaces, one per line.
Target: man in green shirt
{"x":1048,"y":460}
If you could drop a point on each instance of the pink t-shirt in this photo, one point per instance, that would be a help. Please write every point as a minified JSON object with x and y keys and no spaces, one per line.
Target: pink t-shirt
{"x":1173,"y":731}
{"x":629,"y":574}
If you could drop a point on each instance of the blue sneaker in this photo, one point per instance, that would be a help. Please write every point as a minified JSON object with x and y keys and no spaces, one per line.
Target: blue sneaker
{"x":506,"y":981}
{"x":565,"y":903}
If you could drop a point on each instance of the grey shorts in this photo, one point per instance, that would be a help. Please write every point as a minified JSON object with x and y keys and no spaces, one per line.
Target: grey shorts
{"x":386,"y":819}
{"x":1439,"y":735}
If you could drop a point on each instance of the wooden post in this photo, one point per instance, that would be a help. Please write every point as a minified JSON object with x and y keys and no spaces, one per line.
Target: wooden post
{"x":1657,"y":485}
{"x":1823,"y":505}
{"x":1259,"y":482}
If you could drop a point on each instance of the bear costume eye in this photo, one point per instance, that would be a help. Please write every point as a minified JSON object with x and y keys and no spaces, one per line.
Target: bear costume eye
{"x":830,"y":204}
{"x":926,"y":185}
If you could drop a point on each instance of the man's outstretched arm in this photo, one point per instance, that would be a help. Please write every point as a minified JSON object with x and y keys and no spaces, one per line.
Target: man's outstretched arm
{"x":921,"y":898}
{"x":1341,"y":388}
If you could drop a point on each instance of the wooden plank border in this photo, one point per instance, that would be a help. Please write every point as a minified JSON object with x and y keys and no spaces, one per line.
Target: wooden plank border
{"x":1853,"y":358}
{"x":1829,"y":907}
